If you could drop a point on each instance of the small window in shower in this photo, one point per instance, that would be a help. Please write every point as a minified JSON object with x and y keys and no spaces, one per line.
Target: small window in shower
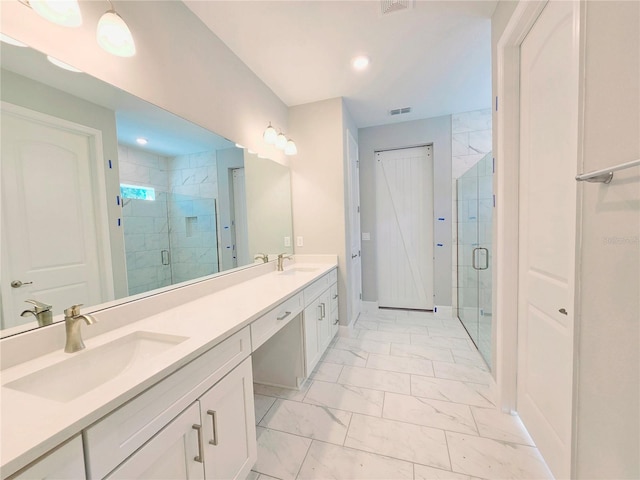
{"x":137,"y":192}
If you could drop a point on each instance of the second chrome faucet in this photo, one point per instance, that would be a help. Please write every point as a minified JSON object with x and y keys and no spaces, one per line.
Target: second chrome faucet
{"x":72,"y":317}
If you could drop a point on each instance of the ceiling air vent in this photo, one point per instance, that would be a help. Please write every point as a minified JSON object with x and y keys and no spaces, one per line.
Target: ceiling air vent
{"x":400,"y":111}
{"x":390,"y":6}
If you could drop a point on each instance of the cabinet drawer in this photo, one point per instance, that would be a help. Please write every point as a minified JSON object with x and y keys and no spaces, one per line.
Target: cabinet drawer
{"x":112,"y":439}
{"x":263,"y":328}
{"x":319,"y":286}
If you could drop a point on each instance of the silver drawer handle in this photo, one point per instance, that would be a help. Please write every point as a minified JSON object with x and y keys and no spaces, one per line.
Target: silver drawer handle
{"x":286,"y":314}
{"x":324,"y":313}
{"x":335,"y":296}
{"x":336,"y":322}
{"x":200,"y":457}
{"x":214,"y":422}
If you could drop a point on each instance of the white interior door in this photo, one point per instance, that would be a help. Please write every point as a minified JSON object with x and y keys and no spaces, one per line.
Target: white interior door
{"x":404,"y":214}
{"x":240,"y":228}
{"x":355,"y":278}
{"x":50,"y":218}
{"x":548,"y":164}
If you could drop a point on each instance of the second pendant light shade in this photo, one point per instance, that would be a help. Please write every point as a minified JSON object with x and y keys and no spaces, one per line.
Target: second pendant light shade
{"x":61,"y":12}
{"x":114,"y":36}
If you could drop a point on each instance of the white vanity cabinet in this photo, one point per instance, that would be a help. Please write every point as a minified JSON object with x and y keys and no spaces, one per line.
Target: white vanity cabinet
{"x":219,"y":381}
{"x":64,"y":463}
{"x":319,"y":318}
{"x":174,"y":453}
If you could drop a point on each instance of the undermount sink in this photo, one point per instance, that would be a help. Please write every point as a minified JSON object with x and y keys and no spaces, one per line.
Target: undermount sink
{"x":294,"y":270}
{"x":92,"y":367}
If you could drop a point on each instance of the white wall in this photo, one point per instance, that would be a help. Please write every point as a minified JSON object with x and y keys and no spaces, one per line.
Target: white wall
{"x":436,"y":131}
{"x":318,"y":190}
{"x":180,"y":65}
{"x":608,"y":399}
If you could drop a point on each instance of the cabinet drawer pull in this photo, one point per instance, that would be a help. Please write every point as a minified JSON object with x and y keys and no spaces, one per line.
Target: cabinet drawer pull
{"x":286,"y":314}
{"x":214,"y":422}
{"x":320,"y":313}
{"x":200,"y":457}
{"x":322,"y":308}
{"x":337,"y":321}
{"x":335,"y":296}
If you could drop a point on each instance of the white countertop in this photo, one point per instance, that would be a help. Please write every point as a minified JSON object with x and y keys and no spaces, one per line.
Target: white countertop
{"x":32,"y":425}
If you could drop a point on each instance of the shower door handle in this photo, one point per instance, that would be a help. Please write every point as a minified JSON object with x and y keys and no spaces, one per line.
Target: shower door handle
{"x":474,"y":258}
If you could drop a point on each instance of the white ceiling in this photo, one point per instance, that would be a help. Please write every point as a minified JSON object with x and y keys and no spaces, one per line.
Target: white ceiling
{"x":435,"y":57}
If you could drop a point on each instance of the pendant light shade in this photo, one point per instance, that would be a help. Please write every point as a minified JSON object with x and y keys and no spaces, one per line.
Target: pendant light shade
{"x":291,"y":148}
{"x":62,"y":12}
{"x":281,"y":141}
{"x":114,"y":36}
{"x":270,"y":135}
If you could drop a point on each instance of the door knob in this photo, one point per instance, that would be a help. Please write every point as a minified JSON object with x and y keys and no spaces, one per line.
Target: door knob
{"x":563,"y":311}
{"x":18,"y":283}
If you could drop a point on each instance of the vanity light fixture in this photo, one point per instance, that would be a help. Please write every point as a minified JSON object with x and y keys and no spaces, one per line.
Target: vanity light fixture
{"x":61,"y":12}
{"x":270,"y":135}
{"x":264,"y":157}
{"x":114,"y":35}
{"x":141,"y":141}
{"x":11,"y":41}
{"x":251,"y":151}
{"x":291,"y":148}
{"x":360,"y":62}
{"x":63,"y":65}
{"x":239,"y":146}
{"x":281,"y":141}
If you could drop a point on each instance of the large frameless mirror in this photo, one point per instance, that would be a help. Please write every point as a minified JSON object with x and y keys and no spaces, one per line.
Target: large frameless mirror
{"x":105,"y":196}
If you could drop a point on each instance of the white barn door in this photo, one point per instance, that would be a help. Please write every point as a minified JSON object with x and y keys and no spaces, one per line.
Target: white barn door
{"x":404,"y":217}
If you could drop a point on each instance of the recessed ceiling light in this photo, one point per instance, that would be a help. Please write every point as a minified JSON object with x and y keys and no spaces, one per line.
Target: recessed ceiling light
{"x":142,"y":141}
{"x":11,"y":41}
{"x":63,"y":65}
{"x":360,"y":62}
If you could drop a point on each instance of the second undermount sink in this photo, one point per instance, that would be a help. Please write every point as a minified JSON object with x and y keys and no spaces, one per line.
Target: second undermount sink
{"x":294,"y":270}
{"x":92,"y":367}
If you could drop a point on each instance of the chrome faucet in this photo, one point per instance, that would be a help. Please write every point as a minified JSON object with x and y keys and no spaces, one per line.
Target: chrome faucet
{"x":72,"y":319}
{"x":42,"y":312}
{"x":262,"y":256}
{"x":281,"y":258}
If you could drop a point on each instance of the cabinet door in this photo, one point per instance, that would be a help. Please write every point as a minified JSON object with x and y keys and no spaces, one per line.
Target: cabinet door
{"x":312,"y":316}
{"x":230,"y":448}
{"x":65,"y":462}
{"x":173,"y":454}
{"x":324,"y":323}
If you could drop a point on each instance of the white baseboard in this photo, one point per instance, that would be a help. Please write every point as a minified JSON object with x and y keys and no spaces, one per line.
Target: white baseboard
{"x":443,"y":311}
{"x":369,"y":307}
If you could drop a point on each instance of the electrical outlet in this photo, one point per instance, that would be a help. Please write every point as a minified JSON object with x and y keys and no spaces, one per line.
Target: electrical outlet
{"x":299,"y":242}
{"x":287,"y":241}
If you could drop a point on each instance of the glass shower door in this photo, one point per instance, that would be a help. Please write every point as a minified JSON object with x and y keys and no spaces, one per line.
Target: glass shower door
{"x":475,"y":217}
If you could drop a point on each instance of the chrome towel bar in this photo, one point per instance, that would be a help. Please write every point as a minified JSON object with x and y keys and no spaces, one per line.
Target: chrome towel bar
{"x":606,"y":174}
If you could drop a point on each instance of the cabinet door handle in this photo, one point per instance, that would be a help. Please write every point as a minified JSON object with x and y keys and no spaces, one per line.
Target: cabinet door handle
{"x":282,"y":317}
{"x":336,"y":321}
{"x":214,"y":423}
{"x":335,"y":296}
{"x":200,"y":457}
{"x":320,"y":313}
{"x":324,"y":313}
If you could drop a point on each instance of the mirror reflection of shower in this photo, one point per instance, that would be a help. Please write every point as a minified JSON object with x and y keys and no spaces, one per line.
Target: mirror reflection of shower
{"x":170,"y":217}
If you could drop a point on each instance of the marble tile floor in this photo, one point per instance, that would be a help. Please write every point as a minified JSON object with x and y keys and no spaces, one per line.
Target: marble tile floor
{"x":403,"y":395}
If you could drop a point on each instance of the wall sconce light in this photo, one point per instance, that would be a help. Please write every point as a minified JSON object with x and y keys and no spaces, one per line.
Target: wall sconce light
{"x":61,"y":12}
{"x":270,"y":135}
{"x":291,"y":148}
{"x":113,"y":34}
{"x":279,"y":140}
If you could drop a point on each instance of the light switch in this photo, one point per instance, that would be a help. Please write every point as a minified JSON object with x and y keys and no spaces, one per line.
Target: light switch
{"x":299,"y":242}
{"x":366,"y":236}
{"x":287,"y":241}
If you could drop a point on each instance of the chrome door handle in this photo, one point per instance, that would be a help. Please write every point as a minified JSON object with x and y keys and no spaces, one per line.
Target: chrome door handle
{"x":322,"y":307}
{"x":18,"y":283}
{"x":320,"y":314}
{"x":473,"y":259}
{"x":200,"y":457}
{"x":486,"y":258}
{"x":214,"y":422}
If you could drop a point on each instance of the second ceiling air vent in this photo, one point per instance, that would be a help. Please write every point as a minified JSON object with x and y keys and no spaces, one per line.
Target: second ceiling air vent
{"x":400,"y":111}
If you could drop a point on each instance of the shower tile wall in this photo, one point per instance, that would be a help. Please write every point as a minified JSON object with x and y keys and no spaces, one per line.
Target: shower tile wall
{"x":181,"y":220}
{"x":471,"y":139}
{"x":194,"y":187}
{"x":145,"y":222}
